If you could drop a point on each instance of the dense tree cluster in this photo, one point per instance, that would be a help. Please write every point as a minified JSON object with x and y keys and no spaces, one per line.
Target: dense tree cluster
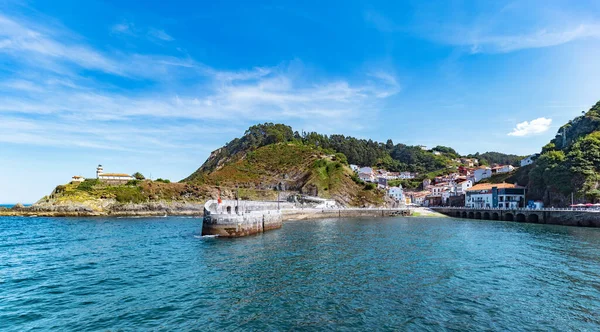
{"x":570,"y":163}
{"x":363,"y":152}
{"x":489,"y":158}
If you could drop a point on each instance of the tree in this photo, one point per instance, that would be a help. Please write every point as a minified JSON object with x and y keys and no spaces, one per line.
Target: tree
{"x":593,"y":195}
{"x":139,"y":176}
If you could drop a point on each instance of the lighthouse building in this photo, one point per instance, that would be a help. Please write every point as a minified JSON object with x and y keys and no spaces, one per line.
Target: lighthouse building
{"x":112,"y":178}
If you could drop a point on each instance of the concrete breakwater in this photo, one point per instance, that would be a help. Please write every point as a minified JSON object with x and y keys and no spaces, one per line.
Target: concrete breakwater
{"x":242,"y":218}
{"x":232,"y":218}
{"x":565,"y":217}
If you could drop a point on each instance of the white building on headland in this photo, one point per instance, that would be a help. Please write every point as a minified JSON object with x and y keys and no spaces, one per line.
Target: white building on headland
{"x":113,"y":178}
{"x":77,"y":178}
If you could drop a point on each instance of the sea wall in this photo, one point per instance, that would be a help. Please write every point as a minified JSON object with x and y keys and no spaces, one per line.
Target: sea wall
{"x":545,"y":216}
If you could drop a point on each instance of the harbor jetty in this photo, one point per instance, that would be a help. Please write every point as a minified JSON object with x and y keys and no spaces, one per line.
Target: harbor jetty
{"x":236,"y":218}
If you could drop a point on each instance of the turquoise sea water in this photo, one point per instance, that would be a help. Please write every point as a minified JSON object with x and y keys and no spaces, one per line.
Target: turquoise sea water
{"x":11,"y":205}
{"x":352,"y":274}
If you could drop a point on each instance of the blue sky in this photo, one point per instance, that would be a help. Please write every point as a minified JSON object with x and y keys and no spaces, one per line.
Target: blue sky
{"x":154,"y":86}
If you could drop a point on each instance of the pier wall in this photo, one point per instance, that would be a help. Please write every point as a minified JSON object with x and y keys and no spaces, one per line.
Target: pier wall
{"x":232,"y":218}
{"x":306,"y":214}
{"x":545,"y":216}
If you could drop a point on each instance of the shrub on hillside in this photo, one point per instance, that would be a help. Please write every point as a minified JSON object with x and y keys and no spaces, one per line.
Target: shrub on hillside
{"x":88,"y":184}
{"x":129,"y":195}
{"x":357,"y":180}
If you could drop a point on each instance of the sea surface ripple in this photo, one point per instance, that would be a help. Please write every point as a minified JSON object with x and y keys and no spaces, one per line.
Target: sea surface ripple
{"x":348,"y":274}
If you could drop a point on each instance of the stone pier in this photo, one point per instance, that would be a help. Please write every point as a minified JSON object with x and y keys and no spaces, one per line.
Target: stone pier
{"x":242,"y":218}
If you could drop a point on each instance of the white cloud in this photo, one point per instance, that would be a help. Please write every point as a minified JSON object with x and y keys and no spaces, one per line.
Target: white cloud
{"x":125,"y":28}
{"x":494,"y":27}
{"x":159,"y":34}
{"x":533,"y":127}
{"x":49,"y":97}
{"x":537,"y":39}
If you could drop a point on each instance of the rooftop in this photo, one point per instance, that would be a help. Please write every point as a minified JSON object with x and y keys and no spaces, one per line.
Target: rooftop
{"x":488,"y":186}
{"x":116,"y":174}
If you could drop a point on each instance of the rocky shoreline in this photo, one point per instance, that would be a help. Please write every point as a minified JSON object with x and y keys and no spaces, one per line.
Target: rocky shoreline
{"x":109,"y":210}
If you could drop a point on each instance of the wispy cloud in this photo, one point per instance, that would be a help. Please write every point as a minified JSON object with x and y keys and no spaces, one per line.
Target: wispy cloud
{"x":495,"y":27}
{"x":129,"y":29}
{"x":537,"y":39}
{"x":55,"y":93}
{"x":533,"y":127}
{"x":159,"y":34}
{"x":124,"y":27}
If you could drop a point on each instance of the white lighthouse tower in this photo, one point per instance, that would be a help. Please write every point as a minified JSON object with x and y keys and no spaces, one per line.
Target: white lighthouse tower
{"x":99,"y":171}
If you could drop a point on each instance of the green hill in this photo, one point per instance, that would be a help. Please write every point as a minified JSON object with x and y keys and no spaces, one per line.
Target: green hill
{"x":285,"y":166}
{"x":569,"y":164}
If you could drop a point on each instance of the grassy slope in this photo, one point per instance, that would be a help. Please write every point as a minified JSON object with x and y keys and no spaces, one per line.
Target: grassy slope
{"x":295,"y":166}
{"x":92,"y":192}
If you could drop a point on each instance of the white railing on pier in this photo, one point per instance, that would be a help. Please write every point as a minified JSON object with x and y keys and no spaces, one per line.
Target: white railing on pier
{"x":516,"y":209}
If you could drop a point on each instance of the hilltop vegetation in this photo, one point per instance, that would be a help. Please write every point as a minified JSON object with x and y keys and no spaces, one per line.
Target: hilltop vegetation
{"x":287,"y":166}
{"x":570,"y":163}
{"x":488,"y":158}
{"x":393,"y":157}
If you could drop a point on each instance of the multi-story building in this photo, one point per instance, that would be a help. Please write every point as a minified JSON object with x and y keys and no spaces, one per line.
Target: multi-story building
{"x":396,"y":193}
{"x":499,"y":195}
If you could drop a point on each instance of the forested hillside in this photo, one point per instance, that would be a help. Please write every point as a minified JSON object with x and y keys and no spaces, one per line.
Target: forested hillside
{"x":362,"y":152}
{"x":569,"y":164}
{"x":488,"y":158}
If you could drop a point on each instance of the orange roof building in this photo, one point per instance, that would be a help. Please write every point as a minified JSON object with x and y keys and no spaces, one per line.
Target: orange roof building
{"x":495,"y":195}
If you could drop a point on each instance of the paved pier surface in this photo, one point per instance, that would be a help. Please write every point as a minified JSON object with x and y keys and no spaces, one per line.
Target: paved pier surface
{"x":305,"y":214}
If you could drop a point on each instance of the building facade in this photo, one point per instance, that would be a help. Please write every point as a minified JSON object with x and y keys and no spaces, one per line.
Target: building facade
{"x":528,"y":161}
{"x":396,"y":193}
{"x":112,"y":178}
{"x":482,"y":173}
{"x":500,"y":195}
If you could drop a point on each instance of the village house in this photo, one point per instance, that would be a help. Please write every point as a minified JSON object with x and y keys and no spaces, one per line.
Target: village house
{"x":397,"y":193}
{"x":417,"y":198}
{"x":112,"y":178}
{"x":392,"y":175}
{"x":407,"y":175}
{"x":367,"y":177}
{"x":446,"y":193}
{"x":355,"y":168}
{"x":382,"y":182}
{"x":481,"y":173}
{"x":505,"y":169}
{"x":500,"y":195}
{"x":529,"y":160}
{"x":460,"y":187}
{"x":77,"y":178}
{"x":469,"y":162}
